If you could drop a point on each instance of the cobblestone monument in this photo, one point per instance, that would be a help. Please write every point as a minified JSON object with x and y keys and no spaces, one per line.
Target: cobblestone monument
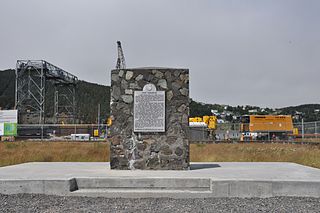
{"x":150,"y":109}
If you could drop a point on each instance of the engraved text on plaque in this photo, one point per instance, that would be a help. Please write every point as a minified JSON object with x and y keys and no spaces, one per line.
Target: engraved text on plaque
{"x":149,"y":110}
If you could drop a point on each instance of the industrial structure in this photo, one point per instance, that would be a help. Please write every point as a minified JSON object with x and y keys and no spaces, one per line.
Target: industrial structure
{"x":266,"y":127}
{"x":121,"y":62}
{"x":202,"y":127}
{"x":34,"y":78}
{"x":209,"y":121}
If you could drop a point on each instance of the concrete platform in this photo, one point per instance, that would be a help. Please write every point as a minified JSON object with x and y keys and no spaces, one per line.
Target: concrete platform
{"x":203,"y":180}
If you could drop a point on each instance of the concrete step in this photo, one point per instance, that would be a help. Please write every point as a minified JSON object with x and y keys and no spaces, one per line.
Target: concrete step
{"x":141,"y":183}
{"x":140,"y":193}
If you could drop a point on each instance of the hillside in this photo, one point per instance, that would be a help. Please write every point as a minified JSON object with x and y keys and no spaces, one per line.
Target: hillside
{"x":309,"y":112}
{"x":88,"y":96}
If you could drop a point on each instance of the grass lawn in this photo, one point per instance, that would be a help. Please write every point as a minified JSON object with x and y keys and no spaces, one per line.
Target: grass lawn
{"x":21,"y":152}
{"x":308,"y":155}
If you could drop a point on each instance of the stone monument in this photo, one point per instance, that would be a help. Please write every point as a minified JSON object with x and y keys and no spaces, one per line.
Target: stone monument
{"x":150,"y":110}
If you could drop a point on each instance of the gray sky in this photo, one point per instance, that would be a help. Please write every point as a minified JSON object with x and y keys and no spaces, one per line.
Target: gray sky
{"x":263,"y":53}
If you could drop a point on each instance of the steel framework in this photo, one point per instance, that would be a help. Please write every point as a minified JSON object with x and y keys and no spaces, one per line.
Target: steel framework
{"x":33,"y":80}
{"x":121,"y":62}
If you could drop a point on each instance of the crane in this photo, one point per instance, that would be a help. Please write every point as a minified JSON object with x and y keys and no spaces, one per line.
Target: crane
{"x":121,"y":63}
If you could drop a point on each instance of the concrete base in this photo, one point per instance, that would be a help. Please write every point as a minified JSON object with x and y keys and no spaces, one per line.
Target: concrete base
{"x":203,"y":180}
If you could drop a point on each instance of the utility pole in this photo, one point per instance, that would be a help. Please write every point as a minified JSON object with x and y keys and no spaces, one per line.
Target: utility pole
{"x":315,"y":129}
{"x":302,"y":130}
{"x":99,"y":118}
{"x":98,"y":114}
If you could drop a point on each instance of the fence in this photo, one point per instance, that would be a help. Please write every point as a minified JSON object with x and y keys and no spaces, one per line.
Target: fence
{"x":308,"y":129}
{"x":272,"y":131}
{"x":58,"y":132}
{"x":304,"y":132}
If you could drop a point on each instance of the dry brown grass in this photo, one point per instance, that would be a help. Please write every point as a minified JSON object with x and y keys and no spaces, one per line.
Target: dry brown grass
{"x":21,"y":152}
{"x":303,"y":154}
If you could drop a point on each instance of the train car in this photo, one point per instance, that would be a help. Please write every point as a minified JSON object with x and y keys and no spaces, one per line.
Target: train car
{"x":266,"y":126}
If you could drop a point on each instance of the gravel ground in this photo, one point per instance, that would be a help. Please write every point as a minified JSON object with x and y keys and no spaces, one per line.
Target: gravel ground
{"x":44,"y":203}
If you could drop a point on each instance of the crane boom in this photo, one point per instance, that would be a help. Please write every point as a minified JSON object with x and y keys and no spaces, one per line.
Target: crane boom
{"x":121,"y":62}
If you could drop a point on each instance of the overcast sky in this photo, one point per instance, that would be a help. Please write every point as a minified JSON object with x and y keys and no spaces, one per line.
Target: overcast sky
{"x":264,"y":53}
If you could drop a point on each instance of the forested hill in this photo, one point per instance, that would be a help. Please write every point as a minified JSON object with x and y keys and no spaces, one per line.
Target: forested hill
{"x":7,"y":89}
{"x":88,"y":96}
